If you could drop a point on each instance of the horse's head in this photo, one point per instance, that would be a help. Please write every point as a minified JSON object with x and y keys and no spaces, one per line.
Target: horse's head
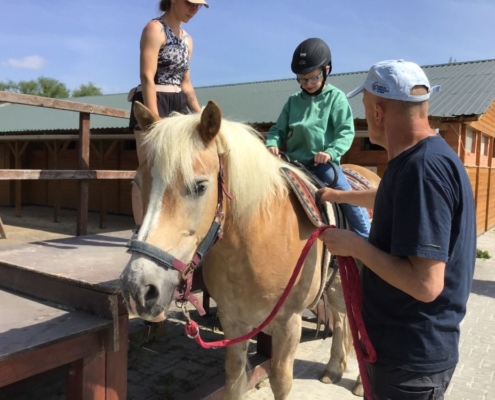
{"x":180,"y":192}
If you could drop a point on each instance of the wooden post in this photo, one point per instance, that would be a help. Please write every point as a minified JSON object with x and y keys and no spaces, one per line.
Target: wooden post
{"x":479,"y":227}
{"x":116,"y":363}
{"x":462,"y":153}
{"x":18,"y":151}
{"x":83,"y":184}
{"x":491,"y":153}
{"x":3,"y":235}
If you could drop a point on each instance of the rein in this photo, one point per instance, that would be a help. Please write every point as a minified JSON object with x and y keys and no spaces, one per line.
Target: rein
{"x":183,"y":292}
{"x":353,"y":297}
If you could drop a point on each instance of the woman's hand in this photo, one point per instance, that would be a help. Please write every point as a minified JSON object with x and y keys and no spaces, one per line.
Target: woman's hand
{"x":274,"y":150}
{"x":322,"y":158}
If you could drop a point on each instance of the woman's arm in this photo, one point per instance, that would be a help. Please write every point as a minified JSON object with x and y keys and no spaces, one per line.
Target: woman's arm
{"x":153,"y":39}
{"x":187,"y":87}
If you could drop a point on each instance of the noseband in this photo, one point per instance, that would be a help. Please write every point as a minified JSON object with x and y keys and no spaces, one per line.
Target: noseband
{"x":166,"y":260}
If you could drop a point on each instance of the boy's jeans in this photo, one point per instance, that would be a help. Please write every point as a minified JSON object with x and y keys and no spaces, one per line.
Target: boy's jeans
{"x":356,"y":216}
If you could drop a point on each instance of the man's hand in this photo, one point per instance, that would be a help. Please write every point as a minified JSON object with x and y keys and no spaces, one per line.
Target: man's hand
{"x":274,"y":150}
{"x":341,"y":242}
{"x":322,"y":158}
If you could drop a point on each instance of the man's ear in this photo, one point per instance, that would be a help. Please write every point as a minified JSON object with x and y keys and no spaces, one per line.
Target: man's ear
{"x":378,"y":113}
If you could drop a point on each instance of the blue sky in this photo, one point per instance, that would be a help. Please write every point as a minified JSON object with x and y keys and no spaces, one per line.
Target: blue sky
{"x":236,"y":41}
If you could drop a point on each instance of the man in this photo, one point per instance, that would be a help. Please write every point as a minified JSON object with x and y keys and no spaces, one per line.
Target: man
{"x":419,"y":259}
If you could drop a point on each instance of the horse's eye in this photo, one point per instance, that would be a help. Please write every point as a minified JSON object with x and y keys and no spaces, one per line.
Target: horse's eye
{"x":199,"y":189}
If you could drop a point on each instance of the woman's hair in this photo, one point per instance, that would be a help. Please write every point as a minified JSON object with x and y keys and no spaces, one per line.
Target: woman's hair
{"x":165,"y":5}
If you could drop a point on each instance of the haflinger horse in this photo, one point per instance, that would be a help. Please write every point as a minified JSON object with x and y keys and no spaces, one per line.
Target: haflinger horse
{"x":192,"y":160}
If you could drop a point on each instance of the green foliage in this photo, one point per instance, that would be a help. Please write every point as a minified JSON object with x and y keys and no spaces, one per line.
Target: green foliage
{"x":483,"y":254}
{"x":49,"y":87}
{"x":87,"y":90}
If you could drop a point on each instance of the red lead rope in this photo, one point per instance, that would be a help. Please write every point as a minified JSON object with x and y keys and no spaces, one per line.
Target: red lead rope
{"x":353,"y":296}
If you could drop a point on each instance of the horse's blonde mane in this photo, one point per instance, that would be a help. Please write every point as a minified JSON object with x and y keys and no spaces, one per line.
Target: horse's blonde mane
{"x":253,"y":174}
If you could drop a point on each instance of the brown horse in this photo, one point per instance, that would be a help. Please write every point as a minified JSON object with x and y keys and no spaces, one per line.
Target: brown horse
{"x":193,"y":160}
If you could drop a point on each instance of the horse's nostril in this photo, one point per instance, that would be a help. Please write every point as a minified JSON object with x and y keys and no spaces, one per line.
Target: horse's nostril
{"x":151,"y":293}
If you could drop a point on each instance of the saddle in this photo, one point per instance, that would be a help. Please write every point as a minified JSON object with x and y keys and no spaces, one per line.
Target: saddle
{"x":322,"y":214}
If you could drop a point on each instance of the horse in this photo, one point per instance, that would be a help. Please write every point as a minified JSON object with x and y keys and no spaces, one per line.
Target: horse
{"x":203,"y":168}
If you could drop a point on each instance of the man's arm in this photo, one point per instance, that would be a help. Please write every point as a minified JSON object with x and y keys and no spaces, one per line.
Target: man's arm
{"x":363,"y":198}
{"x":421,"y":278}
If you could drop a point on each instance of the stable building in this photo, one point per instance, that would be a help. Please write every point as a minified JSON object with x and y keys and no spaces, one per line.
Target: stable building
{"x":463,"y":113}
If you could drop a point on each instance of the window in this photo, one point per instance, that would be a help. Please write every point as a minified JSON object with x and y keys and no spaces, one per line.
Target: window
{"x":484,"y":145}
{"x":368,"y":146}
{"x":470,"y":141}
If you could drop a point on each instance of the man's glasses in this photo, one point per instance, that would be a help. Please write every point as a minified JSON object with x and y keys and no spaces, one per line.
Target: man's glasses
{"x":314,"y":79}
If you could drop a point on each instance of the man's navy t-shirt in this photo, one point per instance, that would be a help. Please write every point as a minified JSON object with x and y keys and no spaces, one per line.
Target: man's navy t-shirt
{"x":424,"y":207}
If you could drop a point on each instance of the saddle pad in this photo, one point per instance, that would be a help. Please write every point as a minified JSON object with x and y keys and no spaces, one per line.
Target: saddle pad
{"x":306,"y":195}
{"x":357,"y":181}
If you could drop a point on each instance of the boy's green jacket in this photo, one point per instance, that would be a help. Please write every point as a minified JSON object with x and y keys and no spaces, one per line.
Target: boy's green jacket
{"x":310,"y":124}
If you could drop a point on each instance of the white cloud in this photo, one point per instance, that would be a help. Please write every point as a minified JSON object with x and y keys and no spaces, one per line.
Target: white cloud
{"x":30,"y":62}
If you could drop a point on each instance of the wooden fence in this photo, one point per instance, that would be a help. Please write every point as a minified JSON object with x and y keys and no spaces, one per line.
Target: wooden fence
{"x":83,"y":174}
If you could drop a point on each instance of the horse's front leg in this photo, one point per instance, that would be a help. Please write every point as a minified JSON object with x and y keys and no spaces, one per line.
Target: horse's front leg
{"x":338,"y":361}
{"x":235,"y":359}
{"x":285,"y":338}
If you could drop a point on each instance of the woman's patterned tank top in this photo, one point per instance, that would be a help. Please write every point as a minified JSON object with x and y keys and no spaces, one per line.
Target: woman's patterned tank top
{"x":172,"y":58}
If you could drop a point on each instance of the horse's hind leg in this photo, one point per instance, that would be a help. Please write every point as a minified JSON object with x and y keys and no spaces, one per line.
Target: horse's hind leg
{"x":338,"y":358}
{"x":235,"y":359}
{"x":285,"y":338}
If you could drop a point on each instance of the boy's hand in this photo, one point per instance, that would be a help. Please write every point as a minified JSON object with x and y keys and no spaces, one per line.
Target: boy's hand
{"x":274,"y":150}
{"x":322,"y":158}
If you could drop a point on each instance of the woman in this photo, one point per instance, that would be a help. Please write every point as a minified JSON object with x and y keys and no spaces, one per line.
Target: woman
{"x":165,"y":87}
{"x":316,"y":124}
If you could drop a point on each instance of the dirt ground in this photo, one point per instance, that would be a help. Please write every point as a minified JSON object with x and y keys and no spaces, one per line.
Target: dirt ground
{"x":37,"y":223}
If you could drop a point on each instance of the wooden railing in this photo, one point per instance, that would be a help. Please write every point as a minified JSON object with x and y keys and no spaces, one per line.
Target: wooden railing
{"x":83,"y":174}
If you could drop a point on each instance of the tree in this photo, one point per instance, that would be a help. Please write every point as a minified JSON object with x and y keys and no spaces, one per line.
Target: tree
{"x":87,"y":90}
{"x":49,"y":87}
{"x":44,"y":87}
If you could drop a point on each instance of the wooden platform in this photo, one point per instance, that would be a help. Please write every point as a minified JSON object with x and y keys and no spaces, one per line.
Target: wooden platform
{"x":60,"y":305}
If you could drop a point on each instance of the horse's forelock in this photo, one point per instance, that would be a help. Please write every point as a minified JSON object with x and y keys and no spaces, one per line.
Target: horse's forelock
{"x":172,"y":146}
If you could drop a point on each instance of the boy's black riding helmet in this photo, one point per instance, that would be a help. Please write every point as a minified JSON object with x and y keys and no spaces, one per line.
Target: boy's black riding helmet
{"x":311,"y":54}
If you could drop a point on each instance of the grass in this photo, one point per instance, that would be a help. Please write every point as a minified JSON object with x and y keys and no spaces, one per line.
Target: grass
{"x":483,"y":254}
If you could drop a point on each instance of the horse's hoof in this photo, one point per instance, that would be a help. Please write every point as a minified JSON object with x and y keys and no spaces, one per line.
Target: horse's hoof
{"x":358,"y":390}
{"x":330,"y":377}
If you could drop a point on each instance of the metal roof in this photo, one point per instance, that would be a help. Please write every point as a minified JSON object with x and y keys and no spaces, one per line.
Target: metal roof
{"x":468,"y":88}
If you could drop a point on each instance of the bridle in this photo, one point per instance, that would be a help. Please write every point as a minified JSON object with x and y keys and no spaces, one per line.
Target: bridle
{"x":183,"y":291}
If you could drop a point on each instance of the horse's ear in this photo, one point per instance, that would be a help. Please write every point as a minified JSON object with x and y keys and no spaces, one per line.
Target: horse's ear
{"x":144,"y":115}
{"x":211,"y":119}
